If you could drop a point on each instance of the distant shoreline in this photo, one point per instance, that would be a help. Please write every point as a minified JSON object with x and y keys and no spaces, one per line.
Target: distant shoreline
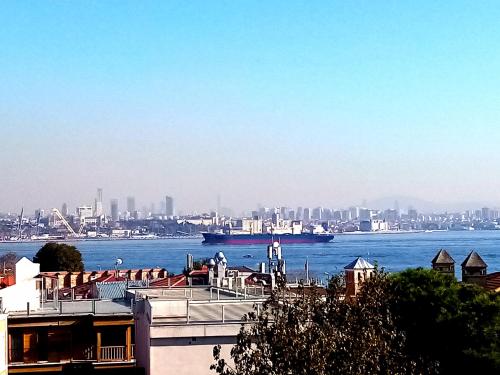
{"x":400,"y":232}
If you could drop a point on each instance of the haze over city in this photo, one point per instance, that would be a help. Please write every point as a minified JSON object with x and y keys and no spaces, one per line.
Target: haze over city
{"x":282,"y":103}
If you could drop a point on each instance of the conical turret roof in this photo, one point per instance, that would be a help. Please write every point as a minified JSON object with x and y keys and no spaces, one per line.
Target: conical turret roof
{"x":442,"y":257}
{"x":359,"y":264}
{"x":473,"y":260}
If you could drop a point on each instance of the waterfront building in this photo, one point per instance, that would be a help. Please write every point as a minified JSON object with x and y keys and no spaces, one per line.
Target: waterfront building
{"x":474,"y":269}
{"x":444,"y":263}
{"x":364,"y":214}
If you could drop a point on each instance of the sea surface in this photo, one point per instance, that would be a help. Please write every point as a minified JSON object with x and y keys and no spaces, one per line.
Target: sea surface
{"x":394,"y":252}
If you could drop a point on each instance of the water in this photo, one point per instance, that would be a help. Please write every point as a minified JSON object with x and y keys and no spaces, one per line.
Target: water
{"x":394,"y":252}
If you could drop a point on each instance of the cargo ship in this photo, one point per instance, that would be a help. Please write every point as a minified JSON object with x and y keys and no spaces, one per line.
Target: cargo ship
{"x":264,"y":238}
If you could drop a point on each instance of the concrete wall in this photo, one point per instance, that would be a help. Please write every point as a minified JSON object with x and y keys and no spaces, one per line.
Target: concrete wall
{"x":183,"y":356}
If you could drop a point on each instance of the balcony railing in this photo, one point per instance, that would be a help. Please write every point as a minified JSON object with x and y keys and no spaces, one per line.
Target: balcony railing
{"x":113,"y":353}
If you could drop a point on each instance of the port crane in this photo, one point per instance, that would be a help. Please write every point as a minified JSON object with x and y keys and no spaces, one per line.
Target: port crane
{"x":71,"y":231}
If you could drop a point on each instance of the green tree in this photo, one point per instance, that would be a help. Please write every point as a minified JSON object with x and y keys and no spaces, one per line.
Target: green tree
{"x":316,"y":334}
{"x":452,"y":326}
{"x":59,"y":257}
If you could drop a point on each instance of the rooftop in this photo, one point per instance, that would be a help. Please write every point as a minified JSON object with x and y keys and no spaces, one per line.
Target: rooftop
{"x":77,"y":307}
{"x":442,"y":257}
{"x":359,"y":264}
{"x":473,"y":260}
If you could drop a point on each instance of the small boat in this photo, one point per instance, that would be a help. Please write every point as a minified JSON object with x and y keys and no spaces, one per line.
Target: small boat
{"x":248,"y":256}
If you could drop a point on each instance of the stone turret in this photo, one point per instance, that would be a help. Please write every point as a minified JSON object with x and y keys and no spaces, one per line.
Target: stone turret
{"x":355,"y":273}
{"x":444,"y":263}
{"x":474,"y":269}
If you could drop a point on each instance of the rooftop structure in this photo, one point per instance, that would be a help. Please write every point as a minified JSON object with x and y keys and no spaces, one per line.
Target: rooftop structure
{"x":355,"y":273}
{"x":474,"y":269}
{"x":444,"y":263}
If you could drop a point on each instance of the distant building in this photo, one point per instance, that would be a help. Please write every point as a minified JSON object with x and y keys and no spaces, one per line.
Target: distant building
{"x":317,"y":213}
{"x":84,"y":212}
{"x":98,"y":208}
{"x":169,"y":206}
{"x":114,"y":210}
{"x":298,"y":215}
{"x":64,"y":210}
{"x":353,"y":213}
{"x":306,"y":215}
{"x":364,"y":214}
{"x":130,"y":204}
{"x":474,"y":269}
{"x":444,"y":263}
{"x":485,"y":213}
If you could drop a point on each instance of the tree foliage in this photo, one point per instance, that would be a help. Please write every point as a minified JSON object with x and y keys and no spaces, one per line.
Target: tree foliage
{"x":316,"y":334}
{"x":414,"y":322}
{"x":59,"y":257}
{"x":452,"y":325}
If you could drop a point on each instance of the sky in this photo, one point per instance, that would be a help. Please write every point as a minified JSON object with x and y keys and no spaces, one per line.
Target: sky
{"x":261,"y":102}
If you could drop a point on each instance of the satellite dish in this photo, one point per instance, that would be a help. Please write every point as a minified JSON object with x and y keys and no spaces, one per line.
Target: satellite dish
{"x":119,"y":261}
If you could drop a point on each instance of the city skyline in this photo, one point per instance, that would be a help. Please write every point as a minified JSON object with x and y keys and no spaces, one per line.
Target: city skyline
{"x":289,"y":102}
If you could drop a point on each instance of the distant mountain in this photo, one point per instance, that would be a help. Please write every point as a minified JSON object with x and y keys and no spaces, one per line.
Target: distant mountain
{"x":424,"y":206}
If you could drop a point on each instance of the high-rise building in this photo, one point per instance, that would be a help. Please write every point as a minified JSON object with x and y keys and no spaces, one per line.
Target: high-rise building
{"x":298,"y":216}
{"x":317,"y":213}
{"x":130,"y":204}
{"x":169,"y":206}
{"x":306,"y":215}
{"x":64,"y":209}
{"x":485,"y":213}
{"x":98,"y":208}
{"x":114,"y":210}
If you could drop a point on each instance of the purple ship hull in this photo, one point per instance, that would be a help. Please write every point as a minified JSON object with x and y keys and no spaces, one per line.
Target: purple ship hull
{"x":264,"y":238}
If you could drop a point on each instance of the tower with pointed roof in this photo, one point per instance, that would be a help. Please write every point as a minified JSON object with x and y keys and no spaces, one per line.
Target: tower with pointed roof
{"x":474,"y":269}
{"x":444,"y":263}
{"x":355,"y":273}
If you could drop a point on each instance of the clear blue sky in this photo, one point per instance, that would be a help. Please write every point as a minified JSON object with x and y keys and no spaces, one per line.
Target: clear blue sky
{"x":272,"y":102}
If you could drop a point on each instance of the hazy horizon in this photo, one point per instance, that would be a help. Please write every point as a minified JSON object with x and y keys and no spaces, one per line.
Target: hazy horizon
{"x":283,"y":103}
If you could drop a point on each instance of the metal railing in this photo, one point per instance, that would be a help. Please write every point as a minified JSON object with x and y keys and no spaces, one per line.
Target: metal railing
{"x":112,"y":353}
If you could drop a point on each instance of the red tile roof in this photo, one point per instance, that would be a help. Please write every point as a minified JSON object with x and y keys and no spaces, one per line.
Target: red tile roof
{"x":493,"y":281}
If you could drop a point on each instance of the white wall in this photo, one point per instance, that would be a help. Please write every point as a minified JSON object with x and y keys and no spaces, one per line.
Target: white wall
{"x":16,"y":297}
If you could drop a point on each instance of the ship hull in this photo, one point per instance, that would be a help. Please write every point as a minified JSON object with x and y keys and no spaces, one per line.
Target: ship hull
{"x":263,"y":238}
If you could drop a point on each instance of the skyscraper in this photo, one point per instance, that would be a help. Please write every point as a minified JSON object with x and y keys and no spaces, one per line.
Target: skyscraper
{"x":114,"y":210}
{"x":169,"y":206}
{"x":64,"y":209}
{"x":98,"y":208}
{"x":306,"y":215}
{"x":130,"y":204}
